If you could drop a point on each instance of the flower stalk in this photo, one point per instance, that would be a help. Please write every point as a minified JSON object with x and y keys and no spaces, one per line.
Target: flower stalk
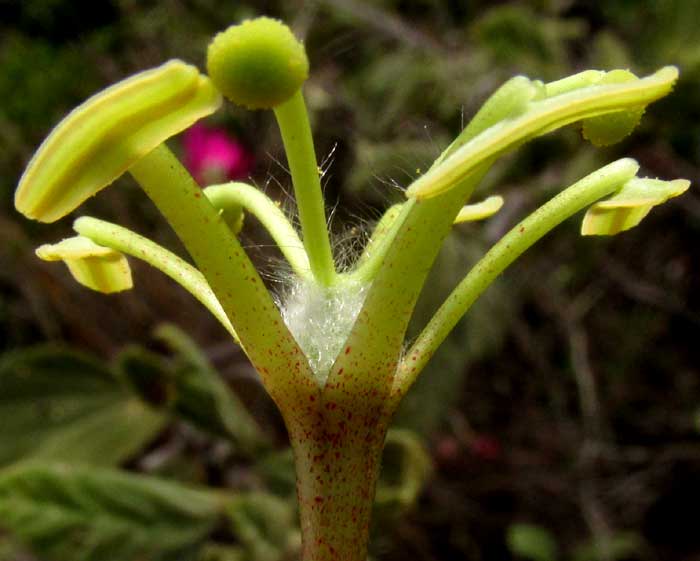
{"x":293,"y":122}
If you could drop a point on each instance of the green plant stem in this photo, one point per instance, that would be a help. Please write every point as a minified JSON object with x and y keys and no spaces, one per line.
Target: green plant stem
{"x":293,"y":122}
{"x":130,"y":243}
{"x":258,"y":204}
{"x":580,"y":195}
{"x":230,"y":274}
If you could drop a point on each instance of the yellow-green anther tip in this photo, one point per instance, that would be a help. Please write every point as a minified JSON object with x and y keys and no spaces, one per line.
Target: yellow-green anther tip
{"x":103,"y":137}
{"x":258,"y":64}
{"x":630,"y":205}
{"x":96,"y":267}
{"x":234,"y":218}
{"x":479,"y":211}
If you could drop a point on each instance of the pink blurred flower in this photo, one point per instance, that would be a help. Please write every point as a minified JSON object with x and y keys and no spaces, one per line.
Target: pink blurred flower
{"x":486,"y":447}
{"x":213,"y":156}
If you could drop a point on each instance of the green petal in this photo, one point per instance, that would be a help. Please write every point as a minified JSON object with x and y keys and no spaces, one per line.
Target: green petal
{"x":99,"y":140}
{"x":480,"y":211}
{"x":629,"y":205}
{"x":94,"y":266}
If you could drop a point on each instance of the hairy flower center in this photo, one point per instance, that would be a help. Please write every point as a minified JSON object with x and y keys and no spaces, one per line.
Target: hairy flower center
{"x":320,"y":318}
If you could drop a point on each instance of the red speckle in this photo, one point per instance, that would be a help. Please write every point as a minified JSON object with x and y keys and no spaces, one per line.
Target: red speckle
{"x":347,"y":350}
{"x":198,"y":195}
{"x":318,"y":499}
{"x":521,"y":229}
{"x":331,"y":405}
{"x":340,"y":371}
{"x":312,"y":398}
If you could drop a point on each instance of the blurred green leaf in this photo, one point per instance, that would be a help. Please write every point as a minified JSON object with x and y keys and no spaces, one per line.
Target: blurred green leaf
{"x":71,"y":513}
{"x":277,"y":469}
{"x":192,"y":388}
{"x":182,"y":344}
{"x":625,"y":545}
{"x":59,"y":405}
{"x":24,"y":91}
{"x":529,"y":541}
{"x":265,"y":525}
{"x":518,"y":36}
{"x":9,"y":551}
{"x":406,"y":465}
{"x":218,"y":552}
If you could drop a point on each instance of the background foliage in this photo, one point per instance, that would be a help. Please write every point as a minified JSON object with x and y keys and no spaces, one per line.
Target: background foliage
{"x":561,"y":417}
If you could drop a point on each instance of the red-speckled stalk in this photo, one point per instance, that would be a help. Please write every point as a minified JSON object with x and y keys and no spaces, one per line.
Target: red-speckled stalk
{"x":337,"y":450}
{"x":235,"y":282}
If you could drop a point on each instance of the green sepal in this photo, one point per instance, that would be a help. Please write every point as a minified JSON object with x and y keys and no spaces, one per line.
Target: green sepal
{"x":102,"y":138}
{"x":99,"y":268}
{"x":630,"y":205}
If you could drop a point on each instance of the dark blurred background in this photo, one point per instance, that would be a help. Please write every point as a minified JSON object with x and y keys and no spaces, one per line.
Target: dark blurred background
{"x":564,"y":411}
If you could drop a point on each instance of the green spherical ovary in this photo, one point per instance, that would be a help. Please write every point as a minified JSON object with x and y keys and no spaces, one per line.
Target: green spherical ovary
{"x":258,"y":64}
